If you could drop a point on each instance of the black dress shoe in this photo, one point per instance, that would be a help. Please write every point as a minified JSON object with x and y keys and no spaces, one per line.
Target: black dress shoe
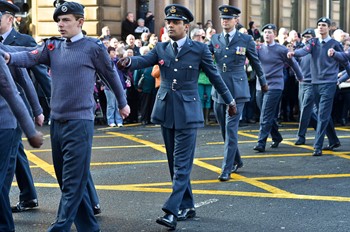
{"x":24,"y":205}
{"x":317,"y":152}
{"x":300,"y":142}
{"x":186,"y":213}
{"x":224,"y":176}
{"x":167,"y":220}
{"x":330,"y":147}
{"x":236,"y":166}
{"x":275,"y":144}
{"x":259,"y":148}
{"x":97,"y":209}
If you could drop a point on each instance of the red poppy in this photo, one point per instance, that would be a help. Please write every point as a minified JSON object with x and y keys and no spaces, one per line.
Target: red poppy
{"x":51,"y":46}
{"x":217,"y":46}
{"x":161,"y":62}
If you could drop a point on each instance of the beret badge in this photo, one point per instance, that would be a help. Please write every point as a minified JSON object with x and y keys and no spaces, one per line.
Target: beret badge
{"x":225,"y":10}
{"x":64,"y":9}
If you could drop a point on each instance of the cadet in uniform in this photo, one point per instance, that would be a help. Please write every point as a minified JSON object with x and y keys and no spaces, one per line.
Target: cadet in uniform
{"x":178,"y":107}
{"x":273,"y":57}
{"x":12,"y":107}
{"x":324,"y":74}
{"x":231,"y":48}
{"x":74,"y":61}
{"x":9,"y":36}
{"x":307,"y":98}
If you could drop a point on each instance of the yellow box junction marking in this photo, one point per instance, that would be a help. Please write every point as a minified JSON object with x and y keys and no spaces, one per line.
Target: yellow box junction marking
{"x":271,"y":191}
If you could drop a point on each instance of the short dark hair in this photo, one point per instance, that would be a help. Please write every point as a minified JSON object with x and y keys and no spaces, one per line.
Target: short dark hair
{"x":109,"y":49}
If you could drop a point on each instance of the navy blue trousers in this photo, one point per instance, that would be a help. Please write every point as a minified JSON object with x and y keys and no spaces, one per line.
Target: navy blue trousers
{"x":71,"y":143}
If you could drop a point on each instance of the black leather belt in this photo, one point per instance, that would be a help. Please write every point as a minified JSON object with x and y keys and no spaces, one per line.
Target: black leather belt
{"x":175,"y":85}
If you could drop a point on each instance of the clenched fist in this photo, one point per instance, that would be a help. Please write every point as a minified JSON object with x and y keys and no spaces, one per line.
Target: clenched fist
{"x":232,"y":110}
{"x":37,"y":140}
{"x":264,"y":88}
{"x":123,"y":63}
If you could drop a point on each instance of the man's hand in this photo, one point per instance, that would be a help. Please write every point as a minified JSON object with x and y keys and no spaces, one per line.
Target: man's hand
{"x":232,"y":109}
{"x":330,"y":52}
{"x":290,"y":55}
{"x":124,"y":113}
{"x":37,"y":140}
{"x":5,"y":55}
{"x":264,"y":88}
{"x":123,"y":63}
{"x":39,"y":120}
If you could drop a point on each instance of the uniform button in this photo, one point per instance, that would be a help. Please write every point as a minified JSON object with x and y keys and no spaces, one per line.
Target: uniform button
{"x":227,"y":48}
{"x":175,"y":69}
{"x":225,"y":56}
{"x":194,"y":99}
{"x":190,"y":66}
{"x":241,"y":79}
{"x":176,"y":60}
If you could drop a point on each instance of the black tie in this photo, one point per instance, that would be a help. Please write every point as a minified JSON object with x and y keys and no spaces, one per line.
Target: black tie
{"x":323,"y":42}
{"x":175,"y":48}
{"x":227,"y":39}
{"x":1,"y":39}
{"x":68,"y":40}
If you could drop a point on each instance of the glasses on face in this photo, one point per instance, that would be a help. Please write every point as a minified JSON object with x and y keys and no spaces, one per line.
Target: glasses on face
{"x":203,"y":37}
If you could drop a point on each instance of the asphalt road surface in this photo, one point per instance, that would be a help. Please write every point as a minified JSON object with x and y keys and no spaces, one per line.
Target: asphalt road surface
{"x":283,"y":189}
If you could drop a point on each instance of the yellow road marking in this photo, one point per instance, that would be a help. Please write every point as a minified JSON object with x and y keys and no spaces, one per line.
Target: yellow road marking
{"x":145,"y":142}
{"x":255,"y":181}
{"x":41,"y":163}
{"x":236,"y":176}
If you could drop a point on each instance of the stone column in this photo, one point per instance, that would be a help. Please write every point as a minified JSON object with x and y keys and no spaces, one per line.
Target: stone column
{"x":216,"y":14}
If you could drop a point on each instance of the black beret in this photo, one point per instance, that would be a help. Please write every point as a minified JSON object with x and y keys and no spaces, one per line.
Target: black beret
{"x":269,"y":26}
{"x":9,"y":8}
{"x":178,"y":12}
{"x":309,"y":31}
{"x":68,"y":8}
{"x":229,"y":12}
{"x":324,"y":20}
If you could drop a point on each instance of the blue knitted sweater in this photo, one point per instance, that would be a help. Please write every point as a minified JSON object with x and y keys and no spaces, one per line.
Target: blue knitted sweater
{"x":73,"y":67}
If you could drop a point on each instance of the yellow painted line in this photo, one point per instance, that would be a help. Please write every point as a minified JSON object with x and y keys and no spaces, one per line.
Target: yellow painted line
{"x":211,"y":192}
{"x":145,"y":142}
{"x":320,"y":176}
{"x":236,"y":176}
{"x":231,"y":193}
{"x":241,"y":133}
{"x":41,"y":163}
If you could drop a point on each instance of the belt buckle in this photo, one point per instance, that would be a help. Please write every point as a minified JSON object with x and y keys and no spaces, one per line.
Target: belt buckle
{"x":224,"y":68}
{"x":173,"y":85}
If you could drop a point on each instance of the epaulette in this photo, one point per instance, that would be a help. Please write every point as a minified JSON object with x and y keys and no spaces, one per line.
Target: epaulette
{"x":53,"y":38}
{"x":94,"y":40}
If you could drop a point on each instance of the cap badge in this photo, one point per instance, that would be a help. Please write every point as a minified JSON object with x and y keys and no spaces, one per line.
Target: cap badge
{"x":225,"y":10}
{"x":324,"y":20}
{"x":173,"y":9}
{"x":64,"y":9}
{"x":269,"y":27}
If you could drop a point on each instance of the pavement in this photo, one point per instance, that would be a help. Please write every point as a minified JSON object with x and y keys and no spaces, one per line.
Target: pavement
{"x":282,"y":189}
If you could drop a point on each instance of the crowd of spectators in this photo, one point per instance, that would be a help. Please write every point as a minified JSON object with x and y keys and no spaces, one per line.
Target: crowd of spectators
{"x":137,"y":35}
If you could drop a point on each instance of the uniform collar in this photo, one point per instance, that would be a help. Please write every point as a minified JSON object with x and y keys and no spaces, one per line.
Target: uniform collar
{"x":328,"y":38}
{"x":6,"y":34}
{"x":180,"y":42}
{"x":231,"y":33}
{"x":77,"y":37}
